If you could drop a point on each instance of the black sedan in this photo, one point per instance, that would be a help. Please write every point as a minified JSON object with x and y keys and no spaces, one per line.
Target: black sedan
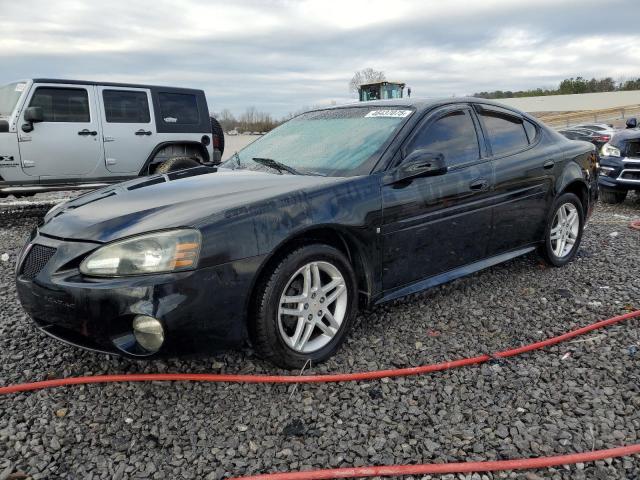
{"x":336,"y":209}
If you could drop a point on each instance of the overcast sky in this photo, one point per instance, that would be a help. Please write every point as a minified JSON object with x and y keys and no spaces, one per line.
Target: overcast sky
{"x":281,"y":56}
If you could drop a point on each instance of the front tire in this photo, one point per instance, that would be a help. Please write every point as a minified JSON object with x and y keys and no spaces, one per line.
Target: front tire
{"x":305,"y":307}
{"x":613,"y":196}
{"x":564,"y":229}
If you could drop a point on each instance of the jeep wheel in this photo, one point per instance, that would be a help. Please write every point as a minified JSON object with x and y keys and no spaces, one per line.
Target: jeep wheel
{"x":613,"y":196}
{"x":218,"y":135}
{"x":176,"y":163}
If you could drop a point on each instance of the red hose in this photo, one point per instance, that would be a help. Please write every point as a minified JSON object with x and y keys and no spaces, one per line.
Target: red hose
{"x":339,"y":377}
{"x":441,"y":468}
{"x":373,"y":471}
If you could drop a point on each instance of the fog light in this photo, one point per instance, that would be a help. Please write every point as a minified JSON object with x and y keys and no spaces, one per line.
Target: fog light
{"x":148,"y":332}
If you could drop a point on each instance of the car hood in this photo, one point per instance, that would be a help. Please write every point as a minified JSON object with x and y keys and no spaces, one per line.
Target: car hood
{"x":181,"y":199}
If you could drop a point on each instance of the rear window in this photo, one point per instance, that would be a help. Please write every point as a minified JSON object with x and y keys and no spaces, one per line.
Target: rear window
{"x":62,"y":104}
{"x":506,"y":133}
{"x":179,"y":108}
{"x":125,"y":106}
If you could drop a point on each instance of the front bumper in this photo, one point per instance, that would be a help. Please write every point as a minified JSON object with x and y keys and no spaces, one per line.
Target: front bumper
{"x":200,"y":310}
{"x":624,"y":175}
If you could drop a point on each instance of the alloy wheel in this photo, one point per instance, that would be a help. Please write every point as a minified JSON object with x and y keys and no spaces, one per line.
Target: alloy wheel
{"x":564,"y":230}
{"x":312,"y":307}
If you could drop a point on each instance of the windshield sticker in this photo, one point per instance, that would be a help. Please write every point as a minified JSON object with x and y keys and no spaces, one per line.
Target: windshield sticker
{"x":170,"y":120}
{"x":388,"y":113}
{"x":20,"y":87}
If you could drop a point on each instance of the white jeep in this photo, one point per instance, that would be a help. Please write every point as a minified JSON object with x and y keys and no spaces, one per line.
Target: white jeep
{"x":68,"y":134}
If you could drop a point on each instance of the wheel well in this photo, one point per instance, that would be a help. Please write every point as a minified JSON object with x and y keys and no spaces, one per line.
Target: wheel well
{"x":580,"y":190}
{"x":327,"y":236}
{"x":165,"y":151}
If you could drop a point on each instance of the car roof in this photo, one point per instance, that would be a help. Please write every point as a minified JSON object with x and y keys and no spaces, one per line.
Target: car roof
{"x":422,"y":104}
{"x":113,"y":84}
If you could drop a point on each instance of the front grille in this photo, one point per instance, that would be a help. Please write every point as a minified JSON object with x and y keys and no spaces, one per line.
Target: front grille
{"x":630,"y":175}
{"x":36,"y":259}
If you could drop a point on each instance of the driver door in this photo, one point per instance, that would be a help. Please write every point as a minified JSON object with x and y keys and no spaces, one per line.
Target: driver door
{"x":67,"y":143}
{"x":435,"y":224}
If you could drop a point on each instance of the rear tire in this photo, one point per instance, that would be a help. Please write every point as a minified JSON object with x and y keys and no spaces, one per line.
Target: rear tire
{"x":563,"y":233}
{"x":316,"y":285}
{"x":176,"y":163}
{"x":218,"y":135}
{"x":613,"y":196}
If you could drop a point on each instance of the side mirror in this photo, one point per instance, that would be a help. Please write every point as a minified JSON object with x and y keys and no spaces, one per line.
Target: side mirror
{"x":4,"y":126}
{"x":632,"y":123}
{"x":33,"y":114}
{"x":419,"y":163}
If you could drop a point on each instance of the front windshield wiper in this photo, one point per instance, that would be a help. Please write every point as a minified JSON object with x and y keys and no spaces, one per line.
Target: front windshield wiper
{"x":276,"y":165}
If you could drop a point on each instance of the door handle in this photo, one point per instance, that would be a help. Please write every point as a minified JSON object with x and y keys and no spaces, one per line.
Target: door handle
{"x":143,"y":132}
{"x":548,"y":164}
{"x":479,"y":185}
{"x":86,"y":132}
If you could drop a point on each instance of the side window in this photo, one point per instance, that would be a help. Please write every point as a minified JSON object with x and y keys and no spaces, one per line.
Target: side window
{"x":126,"y":106}
{"x":531,"y":129}
{"x":453,"y":135}
{"x":506,"y":133}
{"x":179,"y":108}
{"x":62,"y":104}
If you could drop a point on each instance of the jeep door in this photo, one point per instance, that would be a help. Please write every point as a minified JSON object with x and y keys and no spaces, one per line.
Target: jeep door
{"x":129,"y":130}
{"x":438,"y":223}
{"x":66,"y":144}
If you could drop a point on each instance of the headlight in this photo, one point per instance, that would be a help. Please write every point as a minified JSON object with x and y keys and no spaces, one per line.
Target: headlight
{"x":610,"y":151}
{"x":606,"y":171}
{"x":158,"y":252}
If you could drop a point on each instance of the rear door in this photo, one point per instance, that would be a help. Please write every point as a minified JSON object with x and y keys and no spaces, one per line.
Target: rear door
{"x":66,"y":144}
{"x":129,"y":131}
{"x":524,"y":172}
{"x":435,"y":224}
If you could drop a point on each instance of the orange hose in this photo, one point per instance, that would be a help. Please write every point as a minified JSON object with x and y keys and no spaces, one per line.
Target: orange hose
{"x":441,"y":468}
{"x":338,"y":377}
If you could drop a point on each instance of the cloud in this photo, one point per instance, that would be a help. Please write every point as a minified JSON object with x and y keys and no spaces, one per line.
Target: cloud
{"x":280,"y":56}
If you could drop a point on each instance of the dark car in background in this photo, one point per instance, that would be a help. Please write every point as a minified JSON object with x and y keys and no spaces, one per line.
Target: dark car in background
{"x":620,"y":166}
{"x":596,"y":137}
{"x":336,"y":209}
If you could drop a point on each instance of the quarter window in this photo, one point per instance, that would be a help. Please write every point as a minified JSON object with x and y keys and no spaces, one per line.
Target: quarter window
{"x":506,"y":133}
{"x":531,"y":129}
{"x":453,"y":135}
{"x":62,"y":104}
{"x":179,"y":108}
{"x":126,"y":106}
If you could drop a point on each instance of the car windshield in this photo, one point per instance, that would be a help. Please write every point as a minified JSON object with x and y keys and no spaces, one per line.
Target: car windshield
{"x":334,"y":142}
{"x":9,"y":95}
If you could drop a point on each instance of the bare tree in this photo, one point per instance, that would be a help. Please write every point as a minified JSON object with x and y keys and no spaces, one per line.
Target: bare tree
{"x":364,"y":76}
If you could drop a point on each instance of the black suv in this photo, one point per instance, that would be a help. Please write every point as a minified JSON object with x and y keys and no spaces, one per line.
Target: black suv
{"x":620,"y":166}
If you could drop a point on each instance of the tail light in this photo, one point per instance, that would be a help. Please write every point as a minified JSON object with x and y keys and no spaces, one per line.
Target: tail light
{"x":602,"y":138}
{"x":216,"y":142}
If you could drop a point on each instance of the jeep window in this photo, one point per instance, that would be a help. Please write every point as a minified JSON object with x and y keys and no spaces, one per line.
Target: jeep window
{"x":126,"y":106}
{"x":9,"y":96}
{"x":453,"y":135}
{"x":62,"y":104}
{"x":335,"y":142}
{"x":179,"y":108}
{"x":506,"y":133}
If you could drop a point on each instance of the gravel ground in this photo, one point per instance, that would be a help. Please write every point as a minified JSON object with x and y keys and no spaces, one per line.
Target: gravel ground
{"x":577,"y":396}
